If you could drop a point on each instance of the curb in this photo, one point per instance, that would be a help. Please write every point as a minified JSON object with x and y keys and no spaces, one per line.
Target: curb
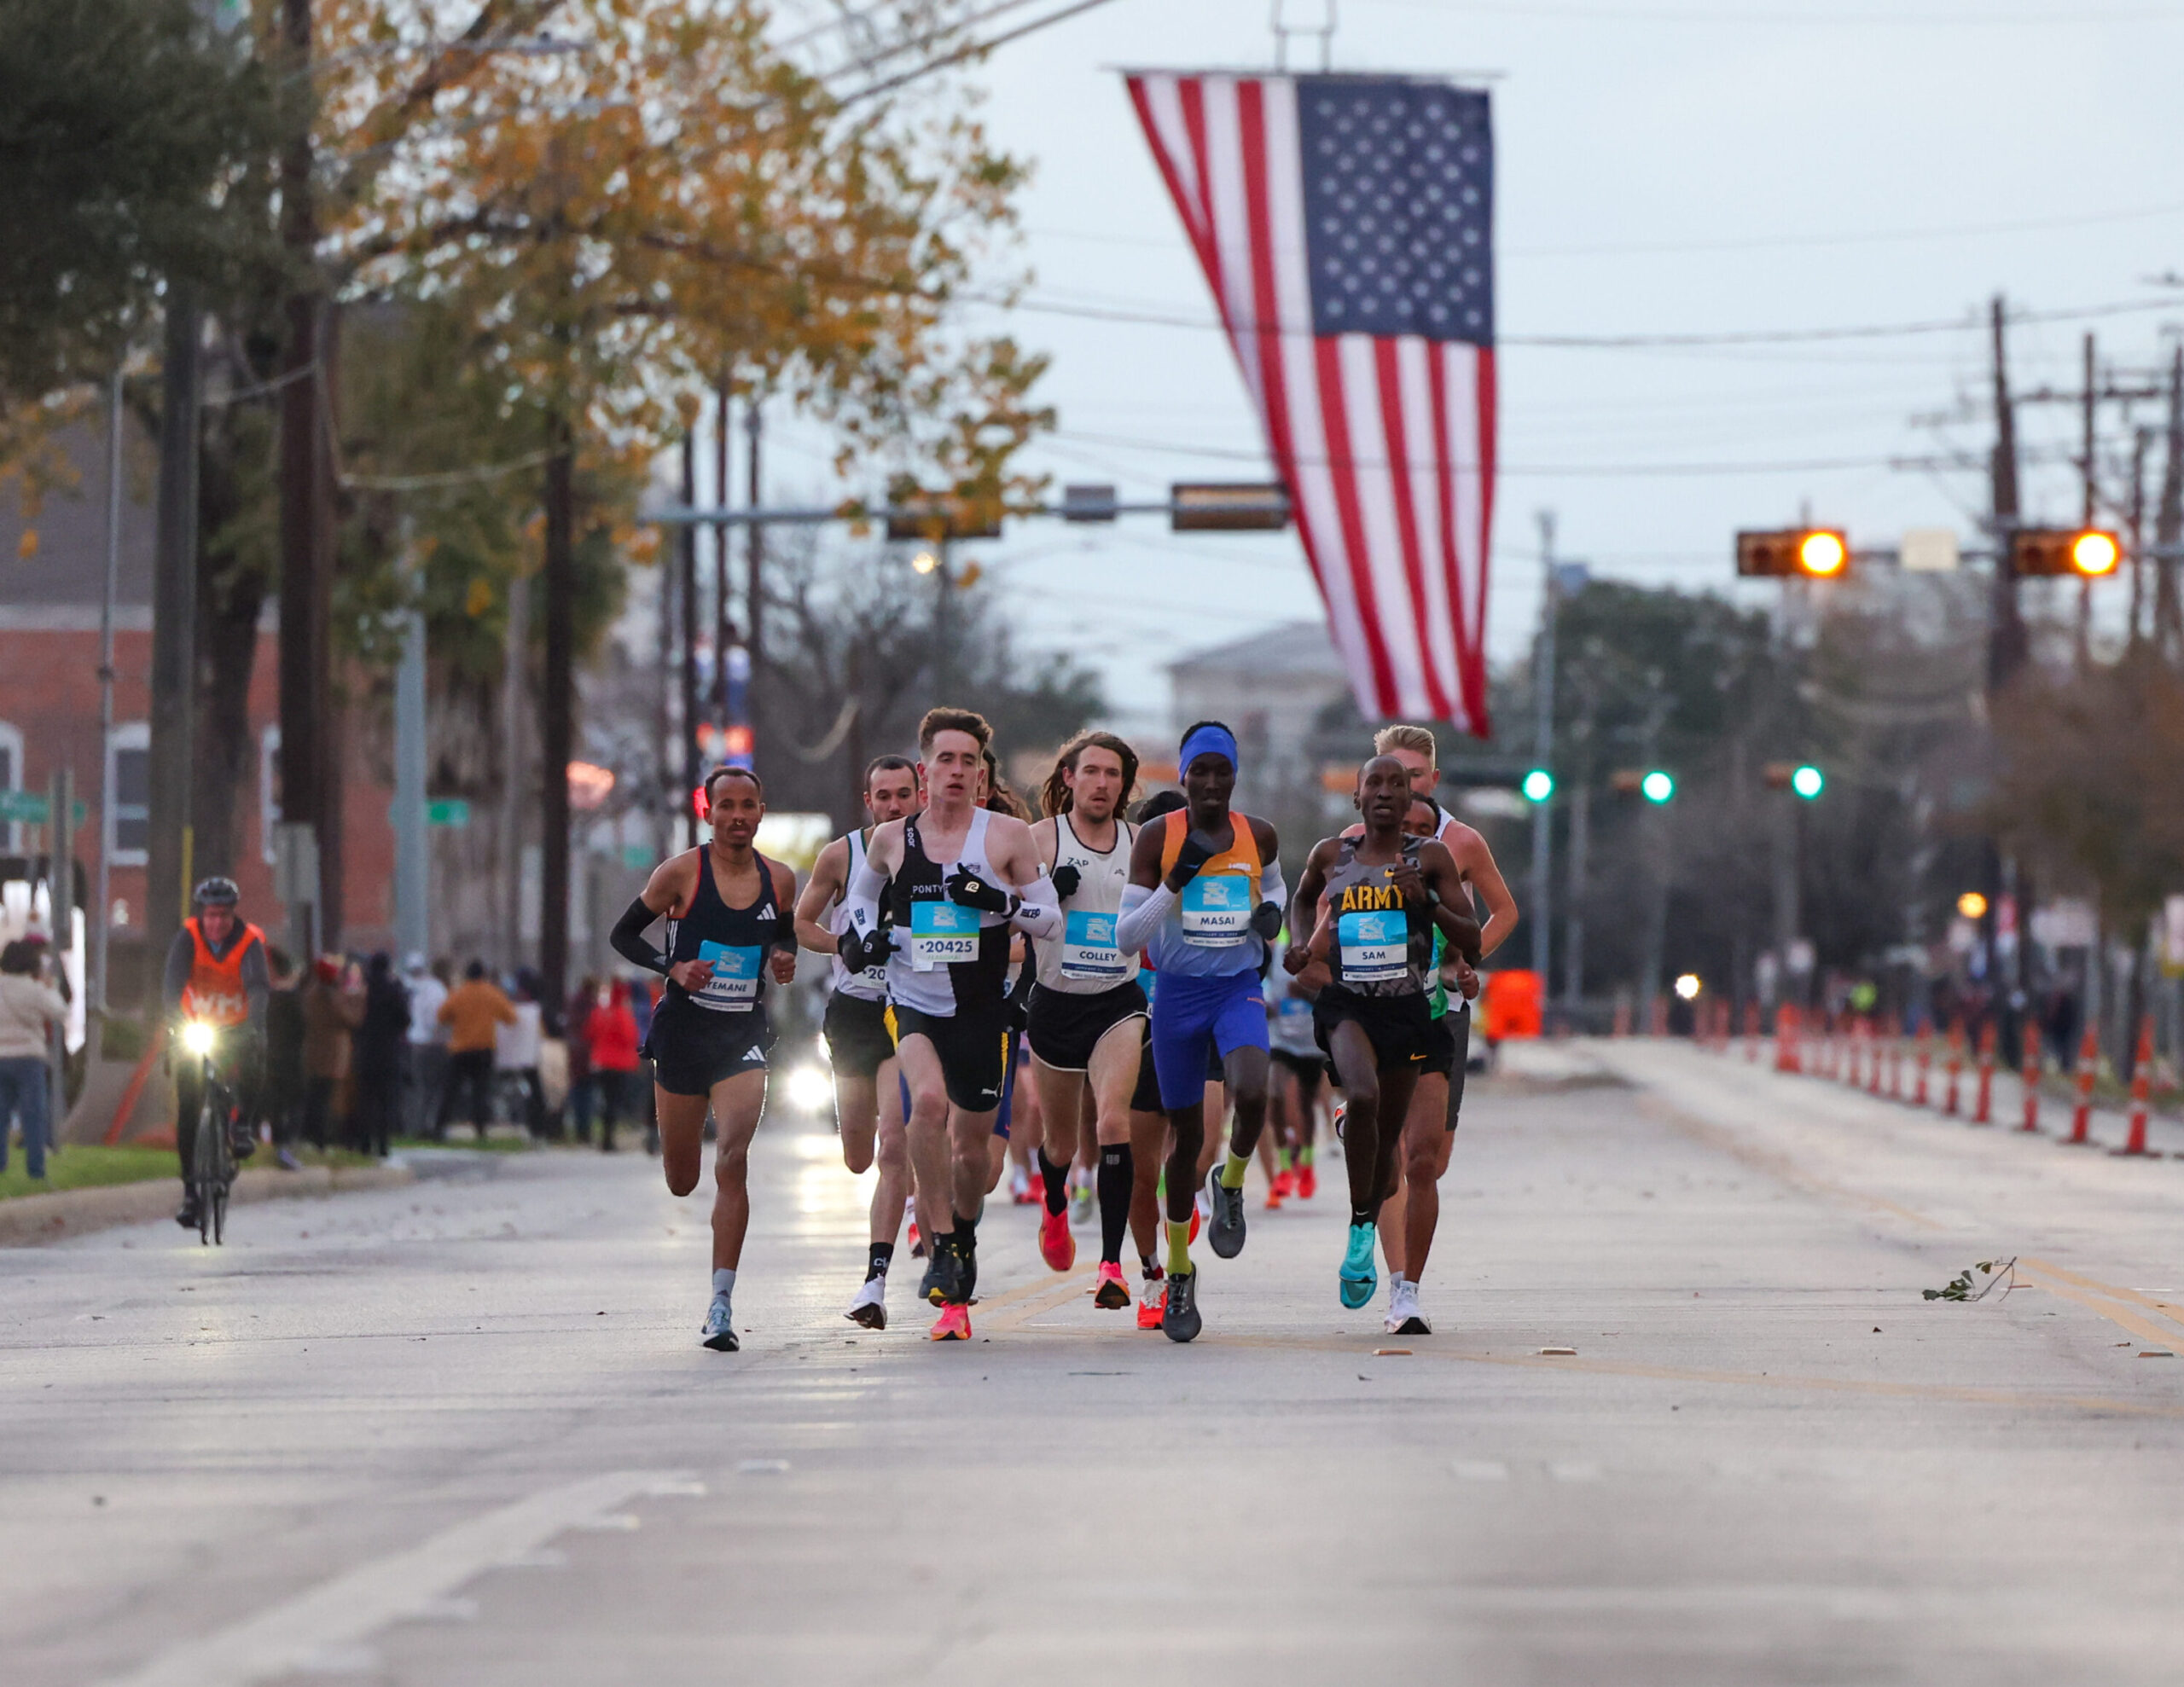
{"x":29,"y":1221}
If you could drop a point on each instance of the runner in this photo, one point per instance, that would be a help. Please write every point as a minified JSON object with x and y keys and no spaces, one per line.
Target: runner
{"x":868,"y":1099}
{"x":1205,"y":897}
{"x":1429,"y":1133}
{"x":950,"y":878}
{"x":1087,"y":1009}
{"x":727,"y":906}
{"x":1384,"y":896}
{"x":1300,"y":1069}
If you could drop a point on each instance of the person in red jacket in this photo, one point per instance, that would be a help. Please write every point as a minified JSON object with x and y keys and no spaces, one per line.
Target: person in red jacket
{"x":610,"y":1036}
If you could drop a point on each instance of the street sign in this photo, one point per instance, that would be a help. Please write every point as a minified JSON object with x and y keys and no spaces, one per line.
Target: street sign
{"x":452,"y":811}
{"x":32,"y":809}
{"x":1929,"y":550}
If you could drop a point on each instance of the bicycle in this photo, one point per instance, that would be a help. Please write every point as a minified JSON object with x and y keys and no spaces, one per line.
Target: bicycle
{"x":213,"y":1161}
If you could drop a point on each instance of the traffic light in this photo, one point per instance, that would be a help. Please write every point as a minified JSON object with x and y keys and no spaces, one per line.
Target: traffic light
{"x":1538,"y":786}
{"x":2049,"y":553}
{"x":1802,"y":777}
{"x":1227,"y":507}
{"x":1657,"y":786}
{"x":935,"y":516}
{"x":1794,"y":553}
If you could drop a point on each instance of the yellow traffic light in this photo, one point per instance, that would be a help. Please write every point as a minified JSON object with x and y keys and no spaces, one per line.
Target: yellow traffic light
{"x":2047,"y":552}
{"x":2095,"y":552}
{"x":1822,"y":554}
{"x":1809,"y":553}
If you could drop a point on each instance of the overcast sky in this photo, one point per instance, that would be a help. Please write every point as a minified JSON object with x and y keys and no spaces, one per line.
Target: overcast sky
{"x":1663,"y":169}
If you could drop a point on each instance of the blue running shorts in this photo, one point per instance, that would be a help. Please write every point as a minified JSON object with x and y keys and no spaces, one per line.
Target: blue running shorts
{"x":1194,"y":1018}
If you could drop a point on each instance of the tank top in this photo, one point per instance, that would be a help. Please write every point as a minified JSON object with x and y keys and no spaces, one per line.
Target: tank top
{"x":948,"y":959}
{"x":1291,"y":1029}
{"x":1380,"y":949}
{"x":735,"y":940}
{"x":1439,"y":1001}
{"x":1084,"y":960}
{"x":1208,"y":931}
{"x":870,"y":984}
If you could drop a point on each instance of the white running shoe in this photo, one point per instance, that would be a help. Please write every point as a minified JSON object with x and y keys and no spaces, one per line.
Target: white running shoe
{"x":869,"y":1308}
{"x":1404,"y":1318}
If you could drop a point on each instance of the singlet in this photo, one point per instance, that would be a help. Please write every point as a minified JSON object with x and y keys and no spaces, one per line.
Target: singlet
{"x":948,"y":959}
{"x":216,"y":993}
{"x":1289,"y":1027}
{"x":735,"y":940}
{"x":1207,"y":933}
{"x":1439,"y":1001}
{"x":1084,"y":960}
{"x":1378,"y":949}
{"x":871,"y":984}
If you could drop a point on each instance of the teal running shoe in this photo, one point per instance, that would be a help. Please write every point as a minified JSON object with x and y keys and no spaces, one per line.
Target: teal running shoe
{"x":1359,"y":1279}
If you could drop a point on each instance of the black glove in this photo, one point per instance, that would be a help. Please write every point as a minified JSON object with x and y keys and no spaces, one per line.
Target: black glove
{"x":859,"y":950}
{"x":1067,"y":879}
{"x":1197,"y":849}
{"x":967,"y":889}
{"x":1266,"y":920}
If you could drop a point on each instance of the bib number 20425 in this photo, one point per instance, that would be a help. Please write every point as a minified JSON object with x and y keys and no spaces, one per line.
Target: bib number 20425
{"x":942,"y":933}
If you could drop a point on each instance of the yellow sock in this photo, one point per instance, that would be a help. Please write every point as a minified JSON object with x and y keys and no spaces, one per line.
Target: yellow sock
{"x":1233,"y":1169}
{"x":1179,"y":1246}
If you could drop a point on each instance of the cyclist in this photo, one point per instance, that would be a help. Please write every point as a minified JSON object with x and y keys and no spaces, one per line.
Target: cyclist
{"x":216,"y":973}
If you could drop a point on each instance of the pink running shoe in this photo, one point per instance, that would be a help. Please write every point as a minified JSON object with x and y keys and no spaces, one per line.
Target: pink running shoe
{"x":1111,"y":1293}
{"x":1057,"y":1247}
{"x":954,"y":1324}
{"x":1153,"y":1308}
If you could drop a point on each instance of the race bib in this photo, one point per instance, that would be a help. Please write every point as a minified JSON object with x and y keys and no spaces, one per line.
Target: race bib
{"x":1375,"y":946}
{"x":1293,"y":1007}
{"x":1088,"y":951}
{"x":737,"y":972}
{"x":942,"y":933}
{"x":1216,"y":910}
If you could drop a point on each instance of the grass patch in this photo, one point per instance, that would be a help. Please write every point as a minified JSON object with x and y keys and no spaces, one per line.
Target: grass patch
{"x":86,"y":1166}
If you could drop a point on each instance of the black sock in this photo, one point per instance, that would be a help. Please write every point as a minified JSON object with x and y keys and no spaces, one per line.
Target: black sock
{"x":1150,"y":1266}
{"x":1365,"y":1215}
{"x":967,"y":1235}
{"x":1117,"y":1177}
{"x":882,"y":1253}
{"x":1056,"y":1178}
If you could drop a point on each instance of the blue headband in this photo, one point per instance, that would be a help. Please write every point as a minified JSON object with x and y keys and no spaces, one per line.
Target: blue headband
{"x":1209,"y":740}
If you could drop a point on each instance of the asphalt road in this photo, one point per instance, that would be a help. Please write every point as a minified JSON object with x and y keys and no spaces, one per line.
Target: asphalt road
{"x":462,"y":1432}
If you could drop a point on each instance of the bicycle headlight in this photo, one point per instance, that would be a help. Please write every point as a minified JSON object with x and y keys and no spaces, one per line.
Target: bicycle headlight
{"x":198,"y":1037}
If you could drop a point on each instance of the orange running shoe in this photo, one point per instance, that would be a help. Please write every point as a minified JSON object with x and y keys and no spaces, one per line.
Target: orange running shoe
{"x":1273,"y":1198}
{"x":1057,"y":1247}
{"x":1308,"y":1182}
{"x":1112,"y":1293}
{"x":1196,"y":1215}
{"x":954,"y":1324}
{"x":1153,"y":1308}
{"x":1285,"y":1183}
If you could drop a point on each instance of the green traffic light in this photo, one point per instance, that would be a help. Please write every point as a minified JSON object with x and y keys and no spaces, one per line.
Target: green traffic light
{"x":1808,"y":781}
{"x":1539,"y":785}
{"x":1657,"y":786}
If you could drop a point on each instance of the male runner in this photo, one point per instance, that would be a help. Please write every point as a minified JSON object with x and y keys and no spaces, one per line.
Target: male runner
{"x":1088,"y":1012}
{"x":216,"y":973}
{"x":1205,"y":897}
{"x":1429,"y":1133}
{"x":1299,"y":1069}
{"x":950,"y":878}
{"x":1385,"y":895}
{"x":867,"y":1097}
{"x":728,"y":908}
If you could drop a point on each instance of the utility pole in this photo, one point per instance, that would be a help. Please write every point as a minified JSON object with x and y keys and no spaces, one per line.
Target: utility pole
{"x":558,"y":713}
{"x":724,"y":634}
{"x":1543,"y":748}
{"x":174,"y":625}
{"x":2086,"y":411}
{"x":412,"y":862}
{"x":2007,"y":648}
{"x":754,"y":554}
{"x":2168,"y":522}
{"x":686,"y":759}
{"x":103,"y":912}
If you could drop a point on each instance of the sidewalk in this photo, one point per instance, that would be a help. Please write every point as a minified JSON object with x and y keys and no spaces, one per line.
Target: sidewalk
{"x":30,"y":1221}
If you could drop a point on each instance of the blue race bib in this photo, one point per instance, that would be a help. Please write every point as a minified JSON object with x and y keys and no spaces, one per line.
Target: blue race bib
{"x":1088,"y":951}
{"x":1216,"y":910}
{"x":737,"y":974}
{"x":1375,"y":946}
{"x":942,"y":933}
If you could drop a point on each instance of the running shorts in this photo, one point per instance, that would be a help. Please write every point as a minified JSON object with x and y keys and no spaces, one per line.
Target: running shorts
{"x":1064,"y":1028}
{"x":1440,"y":1048}
{"x":1399,"y":1027}
{"x":1192,"y":1016}
{"x":970,"y":1048}
{"x":1458,"y":1024}
{"x":1145,"y":1097}
{"x":855,"y":1029}
{"x":1309,"y":1068}
{"x":1012,"y":1056}
{"x":693,"y":1048}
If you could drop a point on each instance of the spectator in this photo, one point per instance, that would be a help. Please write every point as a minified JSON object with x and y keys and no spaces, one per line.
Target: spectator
{"x":425,"y":1052}
{"x":283,"y":1101}
{"x":582,"y":1005}
{"x":518,"y":1048}
{"x":28,"y":1007}
{"x":610,"y":1037}
{"x":382,"y":1038}
{"x":470,"y":1012}
{"x":332,"y":1013}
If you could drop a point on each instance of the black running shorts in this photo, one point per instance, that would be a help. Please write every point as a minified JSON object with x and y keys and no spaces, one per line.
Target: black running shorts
{"x":1308,"y":1069}
{"x":693,"y":1048}
{"x":1399,"y":1027}
{"x":971,"y":1049}
{"x":1440,"y":1049}
{"x":1064,"y":1028}
{"x":855,"y":1029}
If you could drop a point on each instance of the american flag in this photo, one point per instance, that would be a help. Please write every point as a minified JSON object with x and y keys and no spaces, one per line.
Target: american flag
{"x":1345,"y":225}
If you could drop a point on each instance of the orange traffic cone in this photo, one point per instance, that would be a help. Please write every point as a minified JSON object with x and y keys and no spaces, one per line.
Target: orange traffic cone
{"x":1983,"y":1112}
{"x":2029,"y":1074}
{"x":2141,"y":1081}
{"x":2082,"y":1116}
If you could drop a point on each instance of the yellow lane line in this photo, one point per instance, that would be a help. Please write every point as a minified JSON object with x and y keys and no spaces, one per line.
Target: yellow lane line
{"x":2104,"y":1298}
{"x":1772,"y":1162}
{"x":1061,"y":1291}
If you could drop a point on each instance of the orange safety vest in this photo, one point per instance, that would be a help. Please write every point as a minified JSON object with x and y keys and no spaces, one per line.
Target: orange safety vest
{"x":215,"y":991}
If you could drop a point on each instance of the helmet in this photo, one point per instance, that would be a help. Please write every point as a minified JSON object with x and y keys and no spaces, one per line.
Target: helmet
{"x":216,"y":892}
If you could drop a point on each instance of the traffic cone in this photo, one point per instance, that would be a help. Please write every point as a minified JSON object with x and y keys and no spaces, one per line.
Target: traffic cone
{"x":1984,"y":1112}
{"x":2081,"y":1115}
{"x":1752,"y":1031}
{"x":1785,"y":1038}
{"x":2029,"y":1075}
{"x":1954,"y":1068}
{"x":1621,"y":1018}
{"x":1873,"y":1058}
{"x":1896,"y":1064}
{"x":2141,"y":1081}
{"x":1926,"y":1066}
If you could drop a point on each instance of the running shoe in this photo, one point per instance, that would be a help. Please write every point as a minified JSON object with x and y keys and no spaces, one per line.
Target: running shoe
{"x":1339,"y":1110}
{"x":954,"y":1324}
{"x":1308,"y":1182}
{"x":1179,"y":1318}
{"x":1197,"y":1217}
{"x":934,"y":1284}
{"x":869,"y":1308}
{"x":1080,"y":1204}
{"x":1226,"y":1231}
{"x":1154,"y":1308}
{"x":1020,"y":1193}
{"x":186,"y":1214}
{"x":1285,"y":1183}
{"x":1273,"y":1197}
{"x":1111,"y":1293}
{"x":1358,"y":1277}
{"x":719,"y":1334}
{"x":1057,"y":1247}
{"x":1404,"y":1318}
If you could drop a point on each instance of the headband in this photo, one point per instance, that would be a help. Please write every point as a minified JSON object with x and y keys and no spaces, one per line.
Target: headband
{"x":1211,"y":740}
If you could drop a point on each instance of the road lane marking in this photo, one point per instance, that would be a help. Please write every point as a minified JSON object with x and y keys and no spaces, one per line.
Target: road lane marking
{"x":1774,"y":1163}
{"x":2057,"y":1283}
{"x":336,"y":1617}
{"x":1059,"y":1293}
{"x":2113,"y":1291}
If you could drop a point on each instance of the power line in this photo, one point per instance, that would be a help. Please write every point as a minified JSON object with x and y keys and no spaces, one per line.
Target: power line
{"x":1863,"y":20}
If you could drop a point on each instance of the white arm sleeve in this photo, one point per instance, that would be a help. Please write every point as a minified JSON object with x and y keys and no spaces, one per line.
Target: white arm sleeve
{"x":861,"y":899}
{"x":1039,"y":914}
{"x":1271,"y":888}
{"x":1142,"y":912}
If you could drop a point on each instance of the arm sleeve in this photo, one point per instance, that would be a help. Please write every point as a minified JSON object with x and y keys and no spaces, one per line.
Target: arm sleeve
{"x":1142,"y":912}
{"x":180,"y":954}
{"x":1039,"y":913}
{"x":1272,"y":889}
{"x":627,"y":939}
{"x":861,"y":899}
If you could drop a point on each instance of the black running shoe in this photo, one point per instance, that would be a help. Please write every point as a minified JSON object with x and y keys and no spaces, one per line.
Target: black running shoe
{"x":1179,"y":1321}
{"x":968,"y":1286}
{"x":1225,"y":1229}
{"x":932,"y":1286}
